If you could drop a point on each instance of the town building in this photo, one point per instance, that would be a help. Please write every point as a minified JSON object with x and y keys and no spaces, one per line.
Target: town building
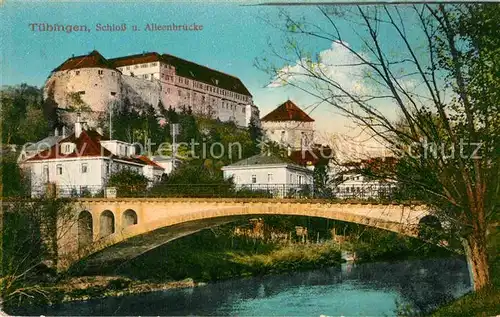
{"x":351,"y":183}
{"x":83,"y":162}
{"x":149,"y":78}
{"x":355,"y":185}
{"x":270,"y":173}
{"x":289,"y":126}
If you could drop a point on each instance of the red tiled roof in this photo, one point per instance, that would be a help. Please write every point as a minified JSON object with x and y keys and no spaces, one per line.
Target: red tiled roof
{"x":183,"y":68}
{"x":288,"y":111}
{"x":88,"y":144}
{"x":146,"y":160}
{"x":306,"y":157}
{"x":205,"y":75}
{"x":135,"y":59}
{"x":93,"y":59}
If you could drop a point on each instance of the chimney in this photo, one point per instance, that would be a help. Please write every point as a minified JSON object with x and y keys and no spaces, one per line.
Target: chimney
{"x":289,"y":150}
{"x":56,"y":132}
{"x":64,"y":131}
{"x":78,"y":126}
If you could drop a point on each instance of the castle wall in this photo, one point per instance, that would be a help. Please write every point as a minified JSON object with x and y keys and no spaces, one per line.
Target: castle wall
{"x":140,"y":91}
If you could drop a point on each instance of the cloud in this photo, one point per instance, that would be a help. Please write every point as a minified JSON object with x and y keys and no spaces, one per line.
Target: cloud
{"x":337,"y":63}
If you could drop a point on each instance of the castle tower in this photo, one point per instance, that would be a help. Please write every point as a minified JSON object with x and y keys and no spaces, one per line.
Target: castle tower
{"x":289,"y":125}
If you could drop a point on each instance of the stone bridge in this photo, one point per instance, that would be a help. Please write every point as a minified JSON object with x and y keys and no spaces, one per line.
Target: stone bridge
{"x":118,"y":229}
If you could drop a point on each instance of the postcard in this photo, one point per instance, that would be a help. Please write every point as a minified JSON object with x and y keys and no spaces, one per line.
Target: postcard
{"x":255,"y":158}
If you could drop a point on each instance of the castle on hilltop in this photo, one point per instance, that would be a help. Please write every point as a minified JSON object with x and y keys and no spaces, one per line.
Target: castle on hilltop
{"x":149,"y":78}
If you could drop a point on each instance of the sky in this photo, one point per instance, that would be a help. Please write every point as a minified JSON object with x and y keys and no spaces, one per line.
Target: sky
{"x":233,"y":37}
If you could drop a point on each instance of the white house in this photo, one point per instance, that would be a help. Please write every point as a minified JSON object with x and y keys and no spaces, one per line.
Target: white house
{"x":166,"y":162}
{"x":355,"y":185}
{"x":269,"y":172}
{"x":83,"y":162}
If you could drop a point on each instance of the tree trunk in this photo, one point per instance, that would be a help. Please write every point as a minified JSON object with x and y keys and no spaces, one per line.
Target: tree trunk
{"x":477,"y":257}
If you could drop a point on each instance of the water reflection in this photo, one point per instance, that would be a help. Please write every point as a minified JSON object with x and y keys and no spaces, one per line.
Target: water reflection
{"x":365,"y":289}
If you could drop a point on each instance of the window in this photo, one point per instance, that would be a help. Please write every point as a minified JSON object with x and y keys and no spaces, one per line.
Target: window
{"x":84,"y":168}
{"x":113,"y":93}
{"x":81,"y":92}
{"x":168,"y":90}
{"x":77,"y":72}
{"x":112,"y":73}
{"x":136,"y":66}
{"x":180,"y":93}
{"x":67,"y":148}
{"x":186,"y":81}
{"x":269,"y":177}
{"x":300,"y":179}
{"x":107,"y":167}
{"x":46,"y":173}
{"x":100,"y":72}
{"x":254,"y":179}
{"x":59,"y":169}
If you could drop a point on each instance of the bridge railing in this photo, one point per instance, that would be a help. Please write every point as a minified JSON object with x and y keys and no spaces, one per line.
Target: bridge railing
{"x":294,"y":191}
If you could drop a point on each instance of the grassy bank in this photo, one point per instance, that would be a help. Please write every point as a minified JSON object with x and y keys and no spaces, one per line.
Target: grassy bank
{"x":223,"y":258}
{"x":218,"y":254}
{"x":483,"y":303}
{"x":210,"y":266}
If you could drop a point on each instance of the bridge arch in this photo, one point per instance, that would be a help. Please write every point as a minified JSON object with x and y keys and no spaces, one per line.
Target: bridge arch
{"x":129,"y":218}
{"x":85,"y":229}
{"x":106,"y":223}
{"x":121,"y":219}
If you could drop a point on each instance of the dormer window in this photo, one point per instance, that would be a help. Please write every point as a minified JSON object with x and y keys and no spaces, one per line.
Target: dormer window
{"x":100,"y":72}
{"x":67,"y":148}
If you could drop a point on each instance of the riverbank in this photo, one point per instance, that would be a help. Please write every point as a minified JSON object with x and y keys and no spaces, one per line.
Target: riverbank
{"x":91,"y":287}
{"x":368,"y":289}
{"x":218,"y":266}
{"x":485,"y":302}
{"x":217,"y":254}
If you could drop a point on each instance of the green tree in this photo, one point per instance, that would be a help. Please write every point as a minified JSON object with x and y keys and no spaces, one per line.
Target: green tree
{"x":29,"y":247}
{"x":451,"y":51}
{"x":322,"y":182}
{"x":256,"y":135}
{"x":128,"y":183}
{"x":23,"y":119}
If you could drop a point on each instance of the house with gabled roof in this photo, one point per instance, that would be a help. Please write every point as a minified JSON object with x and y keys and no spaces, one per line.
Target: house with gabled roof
{"x":83,"y":162}
{"x":269,"y":172}
{"x":289,"y":126}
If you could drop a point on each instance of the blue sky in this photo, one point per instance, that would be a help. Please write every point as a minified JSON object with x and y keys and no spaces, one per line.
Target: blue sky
{"x":233,"y":36}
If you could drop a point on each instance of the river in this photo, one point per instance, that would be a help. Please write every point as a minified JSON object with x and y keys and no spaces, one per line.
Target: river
{"x":373,"y":289}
